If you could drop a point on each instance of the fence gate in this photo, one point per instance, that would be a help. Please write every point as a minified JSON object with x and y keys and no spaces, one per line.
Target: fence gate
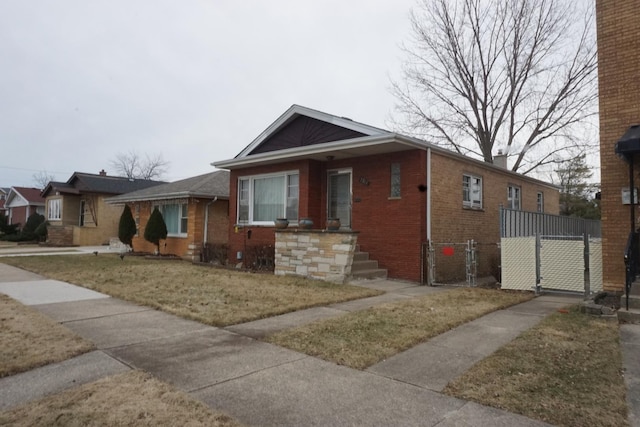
{"x":453,"y":263}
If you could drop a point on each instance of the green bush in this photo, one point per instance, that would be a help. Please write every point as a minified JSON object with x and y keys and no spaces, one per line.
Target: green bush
{"x":127,"y":227}
{"x":28,"y":231}
{"x":41,"y":232}
{"x":156,"y":229}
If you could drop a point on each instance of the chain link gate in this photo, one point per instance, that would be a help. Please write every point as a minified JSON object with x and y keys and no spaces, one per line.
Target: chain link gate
{"x":453,"y":263}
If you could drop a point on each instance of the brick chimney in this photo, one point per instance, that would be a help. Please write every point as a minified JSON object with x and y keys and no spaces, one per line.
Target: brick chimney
{"x":103,"y":173}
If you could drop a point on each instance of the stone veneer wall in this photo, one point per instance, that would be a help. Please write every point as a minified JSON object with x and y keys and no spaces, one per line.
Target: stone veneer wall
{"x":317,"y":254}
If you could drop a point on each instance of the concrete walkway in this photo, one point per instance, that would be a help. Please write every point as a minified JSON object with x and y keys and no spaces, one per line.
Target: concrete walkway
{"x":30,"y":250}
{"x":262,"y":384}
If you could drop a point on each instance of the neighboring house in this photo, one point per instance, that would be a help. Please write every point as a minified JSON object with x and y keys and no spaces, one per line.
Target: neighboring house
{"x":396,"y":192}
{"x":195,"y":210}
{"x":3,"y":197}
{"x":21,"y":202}
{"x":619,"y":109}
{"x":76,"y":210}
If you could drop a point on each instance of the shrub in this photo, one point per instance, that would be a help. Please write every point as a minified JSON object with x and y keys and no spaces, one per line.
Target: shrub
{"x":28,"y":231}
{"x":41,"y":232}
{"x":127,"y":227}
{"x":156,"y":229}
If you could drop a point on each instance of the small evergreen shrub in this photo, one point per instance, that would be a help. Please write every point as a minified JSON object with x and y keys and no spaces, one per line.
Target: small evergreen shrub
{"x":156,"y":229}
{"x":127,"y":227}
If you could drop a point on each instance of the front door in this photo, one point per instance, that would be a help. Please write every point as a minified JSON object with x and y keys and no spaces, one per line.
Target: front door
{"x":339,"y":197}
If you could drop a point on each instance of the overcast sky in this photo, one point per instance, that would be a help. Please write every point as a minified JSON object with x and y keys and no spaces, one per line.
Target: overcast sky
{"x":194,"y":80}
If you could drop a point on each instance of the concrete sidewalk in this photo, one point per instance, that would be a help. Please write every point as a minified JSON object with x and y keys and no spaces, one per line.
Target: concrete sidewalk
{"x":30,"y":250}
{"x":262,"y":384}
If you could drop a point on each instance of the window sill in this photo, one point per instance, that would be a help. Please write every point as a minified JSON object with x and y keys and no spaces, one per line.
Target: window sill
{"x":472,"y":208}
{"x":394,"y":198}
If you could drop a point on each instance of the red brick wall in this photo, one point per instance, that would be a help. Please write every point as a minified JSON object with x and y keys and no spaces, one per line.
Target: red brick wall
{"x":393,"y":229}
{"x":619,"y":86}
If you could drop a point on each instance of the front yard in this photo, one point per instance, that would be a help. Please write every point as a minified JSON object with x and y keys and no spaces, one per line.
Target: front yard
{"x":566,"y":371}
{"x":212,"y":296}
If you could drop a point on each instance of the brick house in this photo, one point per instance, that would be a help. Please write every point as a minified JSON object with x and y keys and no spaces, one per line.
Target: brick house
{"x":21,"y":202}
{"x":619,"y":85}
{"x":195,"y":210}
{"x":397,"y":192}
{"x":77,"y":212}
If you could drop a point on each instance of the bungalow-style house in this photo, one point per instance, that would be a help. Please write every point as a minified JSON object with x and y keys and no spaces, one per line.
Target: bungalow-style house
{"x":21,"y":202}
{"x":396,"y":192}
{"x":76,"y":210}
{"x":195,"y":210}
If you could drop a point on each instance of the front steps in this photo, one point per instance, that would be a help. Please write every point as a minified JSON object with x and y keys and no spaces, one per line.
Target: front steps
{"x":365,"y":268}
{"x":633,"y":315}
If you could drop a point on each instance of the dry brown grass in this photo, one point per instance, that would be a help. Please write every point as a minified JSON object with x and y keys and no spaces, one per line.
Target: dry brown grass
{"x":29,"y":339}
{"x":363,"y":338}
{"x":216,"y":297}
{"x":130,"y":399}
{"x":565,"y":371}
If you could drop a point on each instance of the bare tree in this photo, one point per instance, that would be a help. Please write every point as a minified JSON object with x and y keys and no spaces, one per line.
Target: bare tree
{"x":133,"y":165}
{"x":42,"y":179}
{"x":515,"y":75}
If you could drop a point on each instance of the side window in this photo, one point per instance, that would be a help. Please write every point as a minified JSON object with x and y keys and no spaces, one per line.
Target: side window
{"x":395,"y":180}
{"x":471,"y":191}
{"x":513,"y":197}
{"x":243,"y":201}
{"x":540,"y":204}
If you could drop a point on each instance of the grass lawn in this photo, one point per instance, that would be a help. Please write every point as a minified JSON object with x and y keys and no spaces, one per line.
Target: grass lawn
{"x":30,"y":339}
{"x":130,"y":399}
{"x":565,"y":371}
{"x":213,"y":296}
{"x":364,"y":338}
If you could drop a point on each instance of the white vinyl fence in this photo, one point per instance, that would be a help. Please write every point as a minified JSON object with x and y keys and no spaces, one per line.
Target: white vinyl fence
{"x":532,"y":260}
{"x":558,"y":264}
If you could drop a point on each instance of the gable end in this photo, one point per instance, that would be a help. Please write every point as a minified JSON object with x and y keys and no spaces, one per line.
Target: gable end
{"x":305,"y":131}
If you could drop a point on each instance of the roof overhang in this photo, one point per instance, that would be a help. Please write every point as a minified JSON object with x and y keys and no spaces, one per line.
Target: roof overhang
{"x":166,"y":196}
{"x":345,"y":149}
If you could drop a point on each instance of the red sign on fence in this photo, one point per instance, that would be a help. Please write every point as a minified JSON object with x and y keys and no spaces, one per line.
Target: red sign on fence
{"x":447,"y":251}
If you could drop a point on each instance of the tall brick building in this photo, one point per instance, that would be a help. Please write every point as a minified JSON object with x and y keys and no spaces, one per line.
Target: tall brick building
{"x":619,"y":92}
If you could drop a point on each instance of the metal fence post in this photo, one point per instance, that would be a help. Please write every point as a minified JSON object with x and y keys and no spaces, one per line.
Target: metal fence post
{"x":587,"y":272}
{"x":538,"y":277}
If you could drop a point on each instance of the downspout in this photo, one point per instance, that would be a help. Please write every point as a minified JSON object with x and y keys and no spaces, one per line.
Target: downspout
{"x":426,"y":268}
{"x":429,"y":194}
{"x":206,"y":219}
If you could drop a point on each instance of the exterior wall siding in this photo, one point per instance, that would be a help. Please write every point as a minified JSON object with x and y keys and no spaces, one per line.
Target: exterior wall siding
{"x":619,"y":85}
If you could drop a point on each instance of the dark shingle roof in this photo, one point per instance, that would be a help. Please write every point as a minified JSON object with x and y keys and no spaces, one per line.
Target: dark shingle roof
{"x":81,"y":182}
{"x":210,"y":185}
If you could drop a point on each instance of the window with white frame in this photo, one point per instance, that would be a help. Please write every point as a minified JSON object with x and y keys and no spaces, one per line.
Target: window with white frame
{"x":263,"y":198}
{"x":513,"y":197}
{"x":540,"y":203}
{"x":175,"y":217}
{"x":54,"y":209}
{"x":395,"y":180}
{"x":471,"y":191}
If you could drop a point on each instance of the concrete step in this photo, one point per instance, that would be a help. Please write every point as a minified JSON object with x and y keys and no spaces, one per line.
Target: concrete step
{"x":361,"y":256}
{"x":635,"y":288}
{"x":364,"y":265}
{"x":634,"y":301}
{"x":631,"y":316}
{"x":378,"y":273}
